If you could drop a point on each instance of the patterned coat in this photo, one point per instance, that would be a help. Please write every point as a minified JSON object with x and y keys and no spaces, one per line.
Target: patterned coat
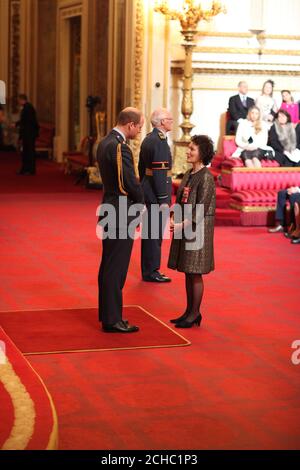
{"x":202,"y":191}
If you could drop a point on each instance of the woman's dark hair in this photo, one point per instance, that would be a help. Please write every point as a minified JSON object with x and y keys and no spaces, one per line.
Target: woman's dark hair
{"x":287,"y":91}
{"x":206,"y":148}
{"x":271,"y":83}
{"x":283,"y":111}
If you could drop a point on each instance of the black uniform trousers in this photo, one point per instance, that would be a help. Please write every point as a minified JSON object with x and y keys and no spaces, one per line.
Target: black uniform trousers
{"x":112,"y":276}
{"x":282,"y":197}
{"x":28,"y":154}
{"x":151,"y":246}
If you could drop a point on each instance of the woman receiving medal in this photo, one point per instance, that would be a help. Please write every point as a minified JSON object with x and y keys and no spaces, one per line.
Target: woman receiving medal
{"x":198,"y":190}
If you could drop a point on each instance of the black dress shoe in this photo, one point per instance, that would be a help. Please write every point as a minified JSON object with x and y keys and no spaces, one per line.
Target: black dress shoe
{"x":120,"y":327}
{"x":164,"y":276}
{"x":179,"y":319}
{"x":277,"y":229}
{"x":295,"y":241}
{"x":156,"y":277}
{"x":189,"y":324}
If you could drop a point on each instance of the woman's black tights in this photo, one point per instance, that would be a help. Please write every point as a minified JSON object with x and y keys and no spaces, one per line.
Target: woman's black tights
{"x":194,"y":292}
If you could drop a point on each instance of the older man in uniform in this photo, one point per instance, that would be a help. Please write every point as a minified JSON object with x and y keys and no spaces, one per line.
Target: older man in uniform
{"x":155,"y":165}
{"x":119,"y":179}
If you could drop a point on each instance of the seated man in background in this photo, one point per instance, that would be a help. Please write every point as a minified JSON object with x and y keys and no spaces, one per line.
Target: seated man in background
{"x":238,"y":108}
{"x":292,"y":195}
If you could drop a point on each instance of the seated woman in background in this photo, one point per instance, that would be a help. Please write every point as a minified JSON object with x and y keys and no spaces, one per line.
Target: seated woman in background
{"x":289,"y":106}
{"x":251,"y":139}
{"x":266,"y":103}
{"x":284,"y":138}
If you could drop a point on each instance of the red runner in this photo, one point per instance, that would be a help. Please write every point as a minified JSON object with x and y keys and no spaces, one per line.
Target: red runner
{"x":51,"y":331}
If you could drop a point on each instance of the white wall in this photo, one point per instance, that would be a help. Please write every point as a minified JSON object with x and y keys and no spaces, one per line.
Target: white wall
{"x":223,"y":60}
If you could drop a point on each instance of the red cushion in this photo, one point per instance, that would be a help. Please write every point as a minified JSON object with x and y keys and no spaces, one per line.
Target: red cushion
{"x":255,"y":198}
{"x":229,"y":147}
{"x":229,"y":163}
{"x":217,"y":161}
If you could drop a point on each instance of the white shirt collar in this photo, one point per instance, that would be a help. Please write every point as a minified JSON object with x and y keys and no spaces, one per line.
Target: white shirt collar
{"x":161,"y":130}
{"x":242,"y":96}
{"x":120,"y":132}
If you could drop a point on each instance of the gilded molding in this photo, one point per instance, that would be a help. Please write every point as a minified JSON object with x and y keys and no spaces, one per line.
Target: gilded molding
{"x":272,"y":169}
{"x":246,"y":50}
{"x":15,"y":57}
{"x":179,"y":63}
{"x":252,"y":208}
{"x":138,"y":64}
{"x":69,"y":12}
{"x":220,"y":34}
{"x":218,"y":71}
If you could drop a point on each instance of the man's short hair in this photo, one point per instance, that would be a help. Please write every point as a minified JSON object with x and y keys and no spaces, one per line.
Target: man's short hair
{"x":128,"y":115}
{"x":22,"y":96}
{"x":157,"y":116}
{"x":242,"y":81}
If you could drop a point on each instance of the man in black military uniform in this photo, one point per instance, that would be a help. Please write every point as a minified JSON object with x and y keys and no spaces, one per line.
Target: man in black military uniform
{"x":121,"y":185}
{"x":155,"y":165}
{"x":28,"y":132}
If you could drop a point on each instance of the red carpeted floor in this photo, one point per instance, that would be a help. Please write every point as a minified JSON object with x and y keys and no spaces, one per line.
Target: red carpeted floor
{"x":235,"y":387}
{"x":54,"y":331}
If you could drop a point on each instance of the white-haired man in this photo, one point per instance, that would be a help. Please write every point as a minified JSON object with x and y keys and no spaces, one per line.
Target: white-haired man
{"x":155,"y":166}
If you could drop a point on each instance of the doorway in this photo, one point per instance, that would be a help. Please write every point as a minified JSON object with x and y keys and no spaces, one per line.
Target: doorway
{"x":74,"y":83}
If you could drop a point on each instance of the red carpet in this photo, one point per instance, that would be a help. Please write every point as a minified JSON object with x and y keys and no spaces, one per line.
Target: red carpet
{"x":56,"y":331}
{"x":234,"y":387}
{"x":28,"y":418}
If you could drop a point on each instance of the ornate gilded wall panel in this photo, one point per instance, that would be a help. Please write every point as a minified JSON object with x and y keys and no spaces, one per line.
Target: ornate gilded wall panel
{"x":47,"y":29}
{"x":14,"y":54}
{"x":138,"y":65}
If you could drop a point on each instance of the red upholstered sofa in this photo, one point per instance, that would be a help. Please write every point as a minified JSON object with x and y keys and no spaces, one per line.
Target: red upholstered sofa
{"x":254,"y":191}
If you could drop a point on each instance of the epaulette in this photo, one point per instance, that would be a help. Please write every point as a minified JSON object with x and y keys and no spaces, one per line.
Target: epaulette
{"x":119,"y":138}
